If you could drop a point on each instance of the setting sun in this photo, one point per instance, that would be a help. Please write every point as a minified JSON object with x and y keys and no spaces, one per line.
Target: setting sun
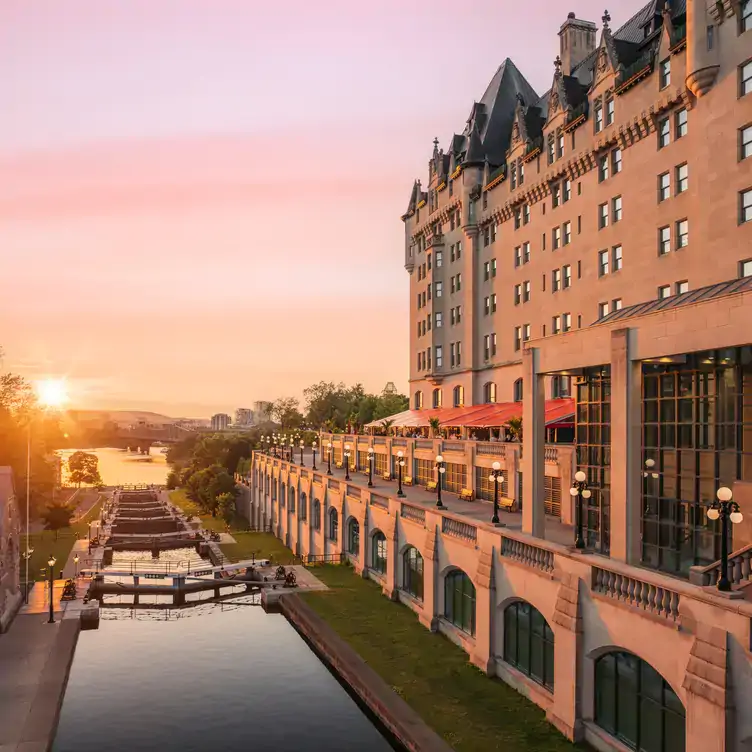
{"x":52,"y":392}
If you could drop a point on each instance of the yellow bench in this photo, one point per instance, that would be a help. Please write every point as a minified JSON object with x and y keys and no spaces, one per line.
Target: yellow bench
{"x":408,"y":481}
{"x":338,"y":465}
{"x":466,"y":495}
{"x":387,"y":476}
{"x":431,"y":485}
{"x":505,"y":503}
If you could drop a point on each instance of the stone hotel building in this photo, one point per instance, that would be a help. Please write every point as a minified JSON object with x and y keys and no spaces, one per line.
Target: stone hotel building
{"x":594,"y":243}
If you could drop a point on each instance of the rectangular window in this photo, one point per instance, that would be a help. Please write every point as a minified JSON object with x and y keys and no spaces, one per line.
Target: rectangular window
{"x":439,"y":258}
{"x":525,"y":253}
{"x":664,"y":292}
{"x":517,"y":294}
{"x":616,"y":305}
{"x":602,"y":216}
{"x":525,"y":333}
{"x":459,"y":282}
{"x":567,"y":233}
{"x":603,"y":168}
{"x":486,"y":236}
{"x":428,"y":289}
{"x":560,"y":146}
{"x":682,"y":287}
{"x":439,"y":289}
{"x":439,"y":357}
{"x":525,"y":214}
{"x":664,"y":186}
{"x":428,"y":259}
{"x":602,"y":310}
{"x":451,"y":285}
{"x":616,"y":258}
{"x":745,"y":206}
{"x":459,"y":250}
{"x":517,"y":218}
{"x":710,"y":37}
{"x":556,"y":238}
{"x":459,"y":353}
{"x":745,"y":16}
{"x":598,"y":117}
{"x":682,"y":178}
{"x":555,"y":324}
{"x":493,"y":267}
{"x":566,"y":321}
{"x":567,"y":274}
{"x":526,"y":291}
{"x":610,"y":111}
{"x":745,"y":141}
{"x":451,"y":355}
{"x":452,"y":256}
{"x":603,"y":264}
{"x":493,"y":303}
{"x":664,"y":133}
{"x":439,"y":319}
{"x":420,"y":328}
{"x":681,"y":123}
{"x":745,"y":268}
{"x":616,"y":161}
{"x":487,"y":347}
{"x":555,"y":280}
{"x":517,"y":337}
{"x":493,"y":232}
{"x":664,"y":240}
{"x":616,"y":209}
{"x":682,"y":234}
{"x":555,"y":195}
{"x":745,"y":78}
{"x":568,"y":189}
{"x":518,"y":256}
{"x":664,"y":73}
{"x":551,"y":149}
{"x":487,"y":271}
{"x":487,"y":305}
{"x":459,"y":313}
{"x":493,"y":344}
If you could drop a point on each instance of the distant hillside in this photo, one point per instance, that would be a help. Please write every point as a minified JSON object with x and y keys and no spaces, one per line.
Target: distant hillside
{"x":121,"y":417}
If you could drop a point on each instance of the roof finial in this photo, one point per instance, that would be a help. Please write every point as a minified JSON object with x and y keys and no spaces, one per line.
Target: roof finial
{"x":606,"y":20}
{"x":436,"y":144}
{"x":557,"y":64}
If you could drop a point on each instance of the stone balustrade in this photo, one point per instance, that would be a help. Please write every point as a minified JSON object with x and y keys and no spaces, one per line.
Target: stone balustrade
{"x":635,"y":591}
{"x":458,"y":529}
{"x":416,"y":514}
{"x":528,"y":554}
{"x":379,"y":501}
{"x":739,"y":569}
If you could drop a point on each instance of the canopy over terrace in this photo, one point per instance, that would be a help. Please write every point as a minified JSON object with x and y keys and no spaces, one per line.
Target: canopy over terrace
{"x":559,"y":414}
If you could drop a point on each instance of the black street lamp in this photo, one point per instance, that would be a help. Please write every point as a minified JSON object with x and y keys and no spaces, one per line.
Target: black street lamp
{"x":75,"y":561}
{"x":400,"y":465}
{"x":328,"y":457}
{"x":725,"y":509}
{"x":51,"y":565}
{"x":346,"y":457}
{"x":440,"y":469}
{"x":497,"y":479}
{"x":370,"y":466}
{"x":581,"y":491}
{"x":313,"y":447}
{"x":302,"y":444}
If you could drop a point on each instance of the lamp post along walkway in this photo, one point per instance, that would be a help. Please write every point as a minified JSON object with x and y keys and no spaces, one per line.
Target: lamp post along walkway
{"x":496,"y":478}
{"x":400,"y":465}
{"x":440,"y":470}
{"x":727,"y":510}
{"x":581,"y":491}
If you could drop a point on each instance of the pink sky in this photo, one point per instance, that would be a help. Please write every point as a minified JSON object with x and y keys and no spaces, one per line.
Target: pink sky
{"x":200,"y":199}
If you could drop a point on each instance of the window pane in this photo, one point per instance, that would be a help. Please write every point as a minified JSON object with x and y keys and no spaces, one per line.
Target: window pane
{"x":605,"y":693}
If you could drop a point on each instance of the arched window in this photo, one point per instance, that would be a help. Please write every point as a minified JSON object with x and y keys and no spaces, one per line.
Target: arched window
{"x":459,"y":601}
{"x":561,"y":387}
{"x":529,"y":643}
{"x":303,"y":507}
{"x":378,"y":552}
{"x":518,"y":390}
{"x":333,"y":524}
{"x":353,"y":536}
{"x":436,"y":398}
{"x":489,"y":392}
{"x":634,"y":703}
{"x":412,"y":572}
{"x":459,"y":396}
{"x":292,"y":500}
{"x":316,"y":514}
{"x":418,"y":400}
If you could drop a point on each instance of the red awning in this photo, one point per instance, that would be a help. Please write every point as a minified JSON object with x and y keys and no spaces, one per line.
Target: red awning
{"x":557,"y":411}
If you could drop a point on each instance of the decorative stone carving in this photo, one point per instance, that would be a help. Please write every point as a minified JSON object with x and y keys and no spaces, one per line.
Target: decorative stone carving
{"x":602,"y":60}
{"x":516,"y":133}
{"x":554,"y":100}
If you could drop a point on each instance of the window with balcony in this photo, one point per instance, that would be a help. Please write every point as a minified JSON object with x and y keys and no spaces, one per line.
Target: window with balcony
{"x":664,"y":73}
{"x":682,"y":234}
{"x":664,"y":186}
{"x":681,"y":123}
{"x":745,"y":206}
{"x":566,"y":276}
{"x":616,"y":209}
{"x":517,"y":391}
{"x":489,"y":392}
{"x":603,"y":263}
{"x":664,"y":133}
{"x":602,"y":216}
{"x":664,"y":241}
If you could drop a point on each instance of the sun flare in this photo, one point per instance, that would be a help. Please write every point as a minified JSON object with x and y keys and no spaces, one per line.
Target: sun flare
{"x":52,"y":392}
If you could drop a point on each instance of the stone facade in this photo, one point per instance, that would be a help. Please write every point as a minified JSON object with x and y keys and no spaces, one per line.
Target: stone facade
{"x":10,"y":540}
{"x":547,"y":212}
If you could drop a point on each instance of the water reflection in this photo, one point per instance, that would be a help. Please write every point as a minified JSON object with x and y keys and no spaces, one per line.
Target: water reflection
{"x":234,"y":679}
{"x":120,"y":467}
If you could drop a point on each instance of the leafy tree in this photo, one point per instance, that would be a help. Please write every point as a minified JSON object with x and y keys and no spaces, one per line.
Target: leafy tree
{"x":514,"y":429}
{"x":226,"y":504}
{"x":57,"y":516}
{"x":207,"y":485}
{"x":83,"y":467}
{"x":173,"y":479}
{"x":435,"y":425}
{"x":286,"y":411}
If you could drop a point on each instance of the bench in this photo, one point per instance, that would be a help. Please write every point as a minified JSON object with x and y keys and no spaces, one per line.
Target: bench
{"x":408,"y":481}
{"x":387,"y":476}
{"x":505,"y":503}
{"x":466,"y":494}
{"x":431,"y":485}
{"x":338,"y":465}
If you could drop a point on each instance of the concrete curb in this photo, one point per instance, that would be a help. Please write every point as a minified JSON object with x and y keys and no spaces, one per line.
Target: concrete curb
{"x":393,"y":712}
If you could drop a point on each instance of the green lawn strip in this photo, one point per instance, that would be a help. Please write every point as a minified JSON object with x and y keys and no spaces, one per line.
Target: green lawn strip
{"x":262,"y":545}
{"x":218,"y":524}
{"x":468,"y":709}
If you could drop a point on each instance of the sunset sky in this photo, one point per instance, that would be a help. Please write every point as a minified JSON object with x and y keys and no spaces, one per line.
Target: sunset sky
{"x":200,"y":200}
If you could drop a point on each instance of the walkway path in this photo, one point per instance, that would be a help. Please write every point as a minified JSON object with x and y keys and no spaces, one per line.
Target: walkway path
{"x":477,"y":510}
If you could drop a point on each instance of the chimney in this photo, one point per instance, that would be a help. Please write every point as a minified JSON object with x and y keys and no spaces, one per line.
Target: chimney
{"x":577,"y":42}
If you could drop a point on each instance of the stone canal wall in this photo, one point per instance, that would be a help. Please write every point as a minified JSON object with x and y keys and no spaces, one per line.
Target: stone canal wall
{"x":393,"y":712}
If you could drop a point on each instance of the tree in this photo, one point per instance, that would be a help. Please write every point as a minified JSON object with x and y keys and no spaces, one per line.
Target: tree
{"x":83,"y":467}
{"x":387,"y":424}
{"x":514,"y":429}
{"x":435,"y":425}
{"x":286,"y":411}
{"x":226,"y":504}
{"x":57,"y":516}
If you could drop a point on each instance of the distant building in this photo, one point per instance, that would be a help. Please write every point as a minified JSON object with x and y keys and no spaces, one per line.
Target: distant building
{"x":220,"y":421}
{"x":243,"y":417}
{"x":262,"y":411}
{"x":10,"y":537}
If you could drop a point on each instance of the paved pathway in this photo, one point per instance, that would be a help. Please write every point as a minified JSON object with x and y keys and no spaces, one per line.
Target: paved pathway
{"x":477,"y":510}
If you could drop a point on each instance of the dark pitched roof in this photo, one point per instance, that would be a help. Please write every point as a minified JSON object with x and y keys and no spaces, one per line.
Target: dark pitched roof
{"x":475,"y":154}
{"x":677,"y":301}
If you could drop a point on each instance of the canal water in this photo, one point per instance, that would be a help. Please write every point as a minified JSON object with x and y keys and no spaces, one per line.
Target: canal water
{"x":120,"y":467}
{"x":211,"y":676}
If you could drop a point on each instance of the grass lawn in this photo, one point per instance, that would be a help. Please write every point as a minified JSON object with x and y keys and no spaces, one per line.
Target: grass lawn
{"x":179,"y":499}
{"x":263,"y":545}
{"x":468,"y":709}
